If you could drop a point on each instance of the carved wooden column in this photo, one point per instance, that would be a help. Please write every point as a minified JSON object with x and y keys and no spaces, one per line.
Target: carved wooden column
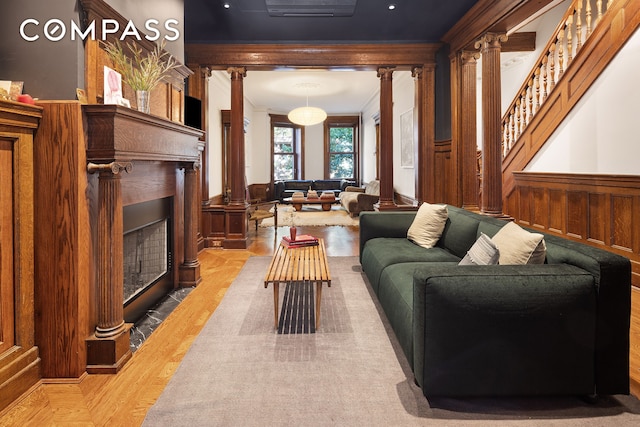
{"x":236,"y":210}
{"x":468,"y":129}
{"x":490,"y":46}
{"x":190,"y":268}
{"x":386,"y":139}
{"x":424,"y":117}
{"x":198,"y":87}
{"x":109,"y":349}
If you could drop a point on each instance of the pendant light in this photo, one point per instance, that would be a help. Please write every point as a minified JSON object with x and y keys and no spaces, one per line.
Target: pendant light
{"x":307,"y":116}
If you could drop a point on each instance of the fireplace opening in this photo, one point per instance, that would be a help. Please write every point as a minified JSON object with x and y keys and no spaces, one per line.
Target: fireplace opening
{"x":147,"y":256}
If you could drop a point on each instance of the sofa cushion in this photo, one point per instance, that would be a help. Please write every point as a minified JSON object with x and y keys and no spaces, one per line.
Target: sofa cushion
{"x":381,"y":252}
{"x":460,"y":232}
{"x":483,"y":252}
{"x":519,"y":246}
{"x":428,"y":225}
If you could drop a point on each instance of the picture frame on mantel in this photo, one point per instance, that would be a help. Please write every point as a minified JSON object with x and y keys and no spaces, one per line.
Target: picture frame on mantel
{"x":406,"y":139}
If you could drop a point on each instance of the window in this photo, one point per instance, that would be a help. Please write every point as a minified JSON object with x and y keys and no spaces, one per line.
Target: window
{"x":286,"y":149}
{"x":341,"y":147}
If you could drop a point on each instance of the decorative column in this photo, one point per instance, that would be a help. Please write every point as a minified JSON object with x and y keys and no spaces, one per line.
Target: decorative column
{"x":468,"y":130}
{"x":236,"y":210}
{"x":386,"y":139}
{"x":109,"y":349}
{"x":424,"y":132}
{"x":198,"y":87}
{"x":190,"y":268}
{"x":490,"y":46}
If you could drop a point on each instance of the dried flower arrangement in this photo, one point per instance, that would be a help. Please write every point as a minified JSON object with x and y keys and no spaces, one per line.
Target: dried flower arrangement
{"x":138,"y":71}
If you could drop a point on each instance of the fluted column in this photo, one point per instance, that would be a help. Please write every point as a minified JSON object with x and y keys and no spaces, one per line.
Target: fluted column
{"x":468,"y":130}
{"x":110,"y":259}
{"x":235,"y":232}
{"x":490,"y":46}
{"x":238,"y":194}
{"x":386,"y":138}
{"x":190,"y":268}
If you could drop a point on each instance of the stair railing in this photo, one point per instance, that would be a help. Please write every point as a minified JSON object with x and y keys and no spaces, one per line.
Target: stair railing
{"x":570,"y":35}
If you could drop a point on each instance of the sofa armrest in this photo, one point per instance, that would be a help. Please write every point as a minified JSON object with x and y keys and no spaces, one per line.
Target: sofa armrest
{"x":504,"y":330}
{"x":384,"y":224}
{"x":353,"y":189}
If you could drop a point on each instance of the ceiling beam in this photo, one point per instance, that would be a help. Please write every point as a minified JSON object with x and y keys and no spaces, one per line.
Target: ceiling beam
{"x":329,"y":56}
{"x":499,"y":16}
{"x":520,"y":42}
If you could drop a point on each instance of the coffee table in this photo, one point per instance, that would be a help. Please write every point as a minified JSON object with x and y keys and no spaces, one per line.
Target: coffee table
{"x":297,"y":204}
{"x":306,"y":264}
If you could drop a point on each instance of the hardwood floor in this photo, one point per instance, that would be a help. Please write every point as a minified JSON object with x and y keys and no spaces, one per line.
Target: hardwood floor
{"x":123,"y":399}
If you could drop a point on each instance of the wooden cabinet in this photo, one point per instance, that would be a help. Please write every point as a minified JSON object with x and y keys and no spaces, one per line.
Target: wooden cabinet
{"x":19,"y":360}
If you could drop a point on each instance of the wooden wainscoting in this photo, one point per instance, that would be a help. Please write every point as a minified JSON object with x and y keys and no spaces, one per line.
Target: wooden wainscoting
{"x":599,"y":210}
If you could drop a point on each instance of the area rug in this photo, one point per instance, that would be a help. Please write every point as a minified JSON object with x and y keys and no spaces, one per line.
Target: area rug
{"x":311,"y":215}
{"x":351,"y":372}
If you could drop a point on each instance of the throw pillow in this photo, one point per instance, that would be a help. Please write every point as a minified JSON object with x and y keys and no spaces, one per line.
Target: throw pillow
{"x":483,"y":252}
{"x":427,"y":226}
{"x":518,"y":246}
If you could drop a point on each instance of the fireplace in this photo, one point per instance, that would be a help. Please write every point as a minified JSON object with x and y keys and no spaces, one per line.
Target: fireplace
{"x":146,"y":256}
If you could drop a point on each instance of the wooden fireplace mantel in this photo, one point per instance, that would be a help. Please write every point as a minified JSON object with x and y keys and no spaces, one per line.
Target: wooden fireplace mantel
{"x":120,"y":133}
{"x":128,"y":150}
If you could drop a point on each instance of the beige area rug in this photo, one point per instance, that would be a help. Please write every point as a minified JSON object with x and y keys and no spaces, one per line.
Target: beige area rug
{"x":241,"y":372}
{"x":311,"y":215}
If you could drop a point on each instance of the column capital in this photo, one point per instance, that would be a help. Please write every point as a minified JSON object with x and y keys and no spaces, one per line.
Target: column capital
{"x":237,"y":72}
{"x":205,"y":72}
{"x":385,"y":72}
{"x":192,"y":166}
{"x":469,"y":56}
{"x":491,"y":41}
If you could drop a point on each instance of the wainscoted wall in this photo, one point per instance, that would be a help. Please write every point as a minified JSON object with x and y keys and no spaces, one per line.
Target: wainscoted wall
{"x":599,"y":210}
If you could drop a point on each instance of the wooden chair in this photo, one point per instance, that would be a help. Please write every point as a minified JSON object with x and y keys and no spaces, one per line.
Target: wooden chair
{"x":262,"y":210}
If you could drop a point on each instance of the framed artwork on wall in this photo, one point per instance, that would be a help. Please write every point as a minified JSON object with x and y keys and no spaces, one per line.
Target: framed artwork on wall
{"x":406,"y":139}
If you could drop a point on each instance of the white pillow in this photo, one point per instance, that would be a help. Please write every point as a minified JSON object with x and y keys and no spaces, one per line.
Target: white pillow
{"x":518,"y":246}
{"x":483,"y":252}
{"x":427,"y":226}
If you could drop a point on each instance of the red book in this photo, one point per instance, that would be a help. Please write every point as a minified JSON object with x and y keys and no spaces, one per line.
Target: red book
{"x":301,"y":240}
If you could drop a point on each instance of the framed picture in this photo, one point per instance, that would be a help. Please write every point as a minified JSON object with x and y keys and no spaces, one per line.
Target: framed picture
{"x":112,"y":86}
{"x":406,"y":139}
{"x":16,"y":90}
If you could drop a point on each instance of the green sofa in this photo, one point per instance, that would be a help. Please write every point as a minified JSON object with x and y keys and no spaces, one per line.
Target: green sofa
{"x":559,"y":328}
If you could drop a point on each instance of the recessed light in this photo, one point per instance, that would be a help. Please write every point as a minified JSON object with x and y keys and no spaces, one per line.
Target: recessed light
{"x":226,"y":5}
{"x":392,"y":6}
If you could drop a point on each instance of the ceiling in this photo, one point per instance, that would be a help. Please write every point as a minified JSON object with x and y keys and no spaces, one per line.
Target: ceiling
{"x":249,"y":21}
{"x":368,"y":21}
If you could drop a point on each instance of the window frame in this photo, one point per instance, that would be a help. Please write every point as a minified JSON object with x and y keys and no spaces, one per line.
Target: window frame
{"x":342,"y":122}
{"x":278,"y":120}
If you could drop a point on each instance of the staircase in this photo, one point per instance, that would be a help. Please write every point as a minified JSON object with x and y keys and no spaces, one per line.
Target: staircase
{"x":584,"y":42}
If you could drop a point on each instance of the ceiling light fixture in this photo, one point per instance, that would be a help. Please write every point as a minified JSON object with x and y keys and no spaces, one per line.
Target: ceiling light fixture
{"x":391,"y":6}
{"x":226,"y":5}
{"x":307,"y":116}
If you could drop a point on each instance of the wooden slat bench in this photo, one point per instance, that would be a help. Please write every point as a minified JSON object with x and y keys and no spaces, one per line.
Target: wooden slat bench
{"x":298,"y":265}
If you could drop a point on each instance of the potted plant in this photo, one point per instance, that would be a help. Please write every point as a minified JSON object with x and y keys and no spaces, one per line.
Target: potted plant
{"x":142,"y":73}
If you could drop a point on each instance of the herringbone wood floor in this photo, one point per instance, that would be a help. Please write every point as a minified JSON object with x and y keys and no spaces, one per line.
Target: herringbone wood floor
{"x":123,"y":399}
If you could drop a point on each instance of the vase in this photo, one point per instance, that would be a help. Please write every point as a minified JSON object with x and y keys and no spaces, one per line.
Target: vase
{"x":142,"y":101}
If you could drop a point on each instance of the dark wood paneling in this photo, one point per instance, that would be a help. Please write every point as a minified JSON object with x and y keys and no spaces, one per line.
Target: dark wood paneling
{"x":19,"y":361}
{"x":600,"y":210}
